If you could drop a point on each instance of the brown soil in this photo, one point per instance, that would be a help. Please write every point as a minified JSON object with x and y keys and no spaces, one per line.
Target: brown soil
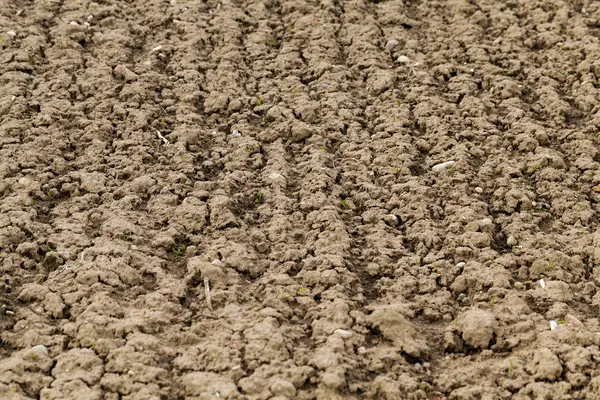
{"x":285,"y":154}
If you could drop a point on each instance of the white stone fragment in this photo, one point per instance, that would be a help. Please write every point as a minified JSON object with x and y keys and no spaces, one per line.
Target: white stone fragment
{"x":542,"y":284}
{"x":441,"y":166}
{"x":403,"y":59}
{"x":40,"y":349}
{"x":391,"y":44}
{"x":553,"y":325}
{"x":11,"y":33}
{"x":344,"y":334}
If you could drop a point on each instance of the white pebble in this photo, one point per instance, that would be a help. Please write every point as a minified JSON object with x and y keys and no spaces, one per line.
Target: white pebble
{"x":40,"y":349}
{"x":391,"y":44}
{"x":403,"y":59}
{"x":361,"y":350}
{"x":74,"y":23}
{"x":553,"y":325}
{"x":11,"y":33}
{"x":441,"y":166}
{"x":236,"y":133}
{"x":511,"y":241}
{"x":157,"y":48}
{"x":343,"y":333}
{"x":478,"y":190}
{"x":460,"y":264}
{"x":542,"y":284}
{"x":277,"y":178}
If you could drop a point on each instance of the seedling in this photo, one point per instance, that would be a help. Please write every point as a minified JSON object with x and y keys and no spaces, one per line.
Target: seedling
{"x":394,"y":170}
{"x":271,"y":42}
{"x":534,"y":168}
{"x":162,"y":122}
{"x":75,"y":193}
{"x":344,"y":204}
{"x":259,"y":198}
{"x":302,"y":291}
{"x":510,"y":367}
{"x":423,"y":387}
{"x":258,"y":101}
{"x":179,"y":251}
{"x":560,"y":321}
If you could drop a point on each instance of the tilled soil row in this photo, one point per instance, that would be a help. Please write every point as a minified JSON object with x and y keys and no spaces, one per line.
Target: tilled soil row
{"x":299,"y":199}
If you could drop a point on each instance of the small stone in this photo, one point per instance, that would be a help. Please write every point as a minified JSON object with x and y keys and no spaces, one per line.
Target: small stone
{"x":74,"y":23}
{"x":441,"y":166}
{"x":343,"y":333}
{"x":390,"y":219}
{"x":511,"y":241}
{"x":478,"y":190}
{"x":553,"y":325}
{"x":361,"y":350}
{"x":460,"y":264}
{"x":571,"y":320}
{"x":391,"y":44}
{"x":236,"y":133}
{"x":11,"y":33}
{"x":124,"y":73}
{"x":403,"y":59}
{"x":277,"y":178}
{"x":40,"y":349}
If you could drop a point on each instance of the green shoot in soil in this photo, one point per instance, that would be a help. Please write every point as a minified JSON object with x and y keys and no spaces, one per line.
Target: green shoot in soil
{"x":179,"y":251}
{"x":344,"y":204}
{"x":259,"y":198}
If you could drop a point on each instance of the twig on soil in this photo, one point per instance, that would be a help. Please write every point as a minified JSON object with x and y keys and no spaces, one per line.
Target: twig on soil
{"x":164,"y":139}
{"x":207,"y":293}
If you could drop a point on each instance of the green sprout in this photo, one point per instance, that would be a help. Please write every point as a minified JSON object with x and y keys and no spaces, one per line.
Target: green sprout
{"x":302,"y":291}
{"x":162,"y":122}
{"x":271,"y":42}
{"x":344,"y":204}
{"x":258,"y":101}
{"x":259,"y":198}
{"x":179,"y":251}
{"x":534,"y":168}
{"x":560,"y":321}
{"x":75,"y":193}
{"x":423,"y":387}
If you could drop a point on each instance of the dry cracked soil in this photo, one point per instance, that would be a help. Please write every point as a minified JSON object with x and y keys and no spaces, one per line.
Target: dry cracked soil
{"x":289,"y":199}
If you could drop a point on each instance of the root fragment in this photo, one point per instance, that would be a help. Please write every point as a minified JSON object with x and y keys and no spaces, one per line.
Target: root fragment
{"x":207,"y":293}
